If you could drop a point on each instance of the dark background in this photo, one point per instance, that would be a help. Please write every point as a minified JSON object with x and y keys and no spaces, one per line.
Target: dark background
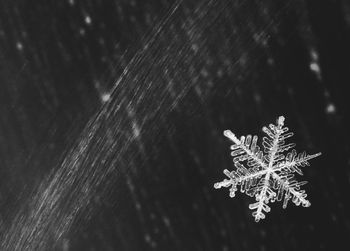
{"x":112,"y":113}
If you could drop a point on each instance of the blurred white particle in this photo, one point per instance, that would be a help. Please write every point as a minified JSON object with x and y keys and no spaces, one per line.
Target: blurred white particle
{"x":138,"y":206}
{"x":19,"y":46}
{"x":315,"y":68}
{"x":71,"y":2}
{"x":330,"y":108}
{"x":198,"y":90}
{"x":314,"y":63}
{"x":225,"y":248}
{"x":195,"y":47}
{"x":257,"y":98}
{"x":148,"y":238}
{"x":270,"y":61}
{"x":326,"y":93}
{"x":65,"y":245}
{"x":136,"y":129}
{"x":313,"y":54}
{"x":220,"y":73}
{"x":88,"y":20}
{"x":105,"y":97}
{"x":166,"y":221}
{"x":204,"y":72}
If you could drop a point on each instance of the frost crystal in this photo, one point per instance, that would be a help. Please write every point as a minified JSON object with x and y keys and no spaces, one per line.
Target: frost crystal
{"x":269,"y":174}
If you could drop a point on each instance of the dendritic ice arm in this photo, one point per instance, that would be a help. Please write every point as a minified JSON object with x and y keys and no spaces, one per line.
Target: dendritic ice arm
{"x":285,"y":181}
{"x":269,"y":174}
{"x":244,"y":149}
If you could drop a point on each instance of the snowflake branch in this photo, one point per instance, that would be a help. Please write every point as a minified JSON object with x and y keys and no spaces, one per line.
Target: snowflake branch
{"x":276,"y":138}
{"x":261,"y":198}
{"x":295,"y":162}
{"x":242,"y":146}
{"x":235,"y":180}
{"x":299,"y":195}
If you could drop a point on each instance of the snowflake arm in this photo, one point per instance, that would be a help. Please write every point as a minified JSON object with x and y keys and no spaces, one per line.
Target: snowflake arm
{"x":245,"y":148}
{"x":268,"y":176}
{"x":286,"y":181}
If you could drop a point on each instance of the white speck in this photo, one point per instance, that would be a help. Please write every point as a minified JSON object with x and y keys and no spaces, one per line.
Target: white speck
{"x":88,"y":20}
{"x":65,"y":245}
{"x":136,"y":129}
{"x":105,"y":97}
{"x":315,"y":67}
{"x":204,"y":72}
{"x":326,"y":93}
{"x":195,"y":47}
{"x":314,"y":55}
{"x":71,"y":2}
{"x":314,"y":64}
{"x":198,"y":90}
{"x":257,"y":98}
{"x":147,"y":238}
{"x":97,"y":84}
{"x":334,"y":217}
{"x":166,"y":221}
{"x":24,"y":34}
{"x":220,"y":73}
{"x":330,"y":108}
{"x":270,"y":61}
{"x":19,"y":46}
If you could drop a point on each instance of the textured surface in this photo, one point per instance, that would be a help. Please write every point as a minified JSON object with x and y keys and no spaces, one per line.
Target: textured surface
{"x":112,"y":115}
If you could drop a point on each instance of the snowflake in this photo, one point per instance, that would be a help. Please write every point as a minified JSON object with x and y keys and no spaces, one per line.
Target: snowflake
{"x":270,"y":173}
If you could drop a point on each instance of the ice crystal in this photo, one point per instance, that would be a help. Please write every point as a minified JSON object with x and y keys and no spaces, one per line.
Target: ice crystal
{"x":269,"y":174}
